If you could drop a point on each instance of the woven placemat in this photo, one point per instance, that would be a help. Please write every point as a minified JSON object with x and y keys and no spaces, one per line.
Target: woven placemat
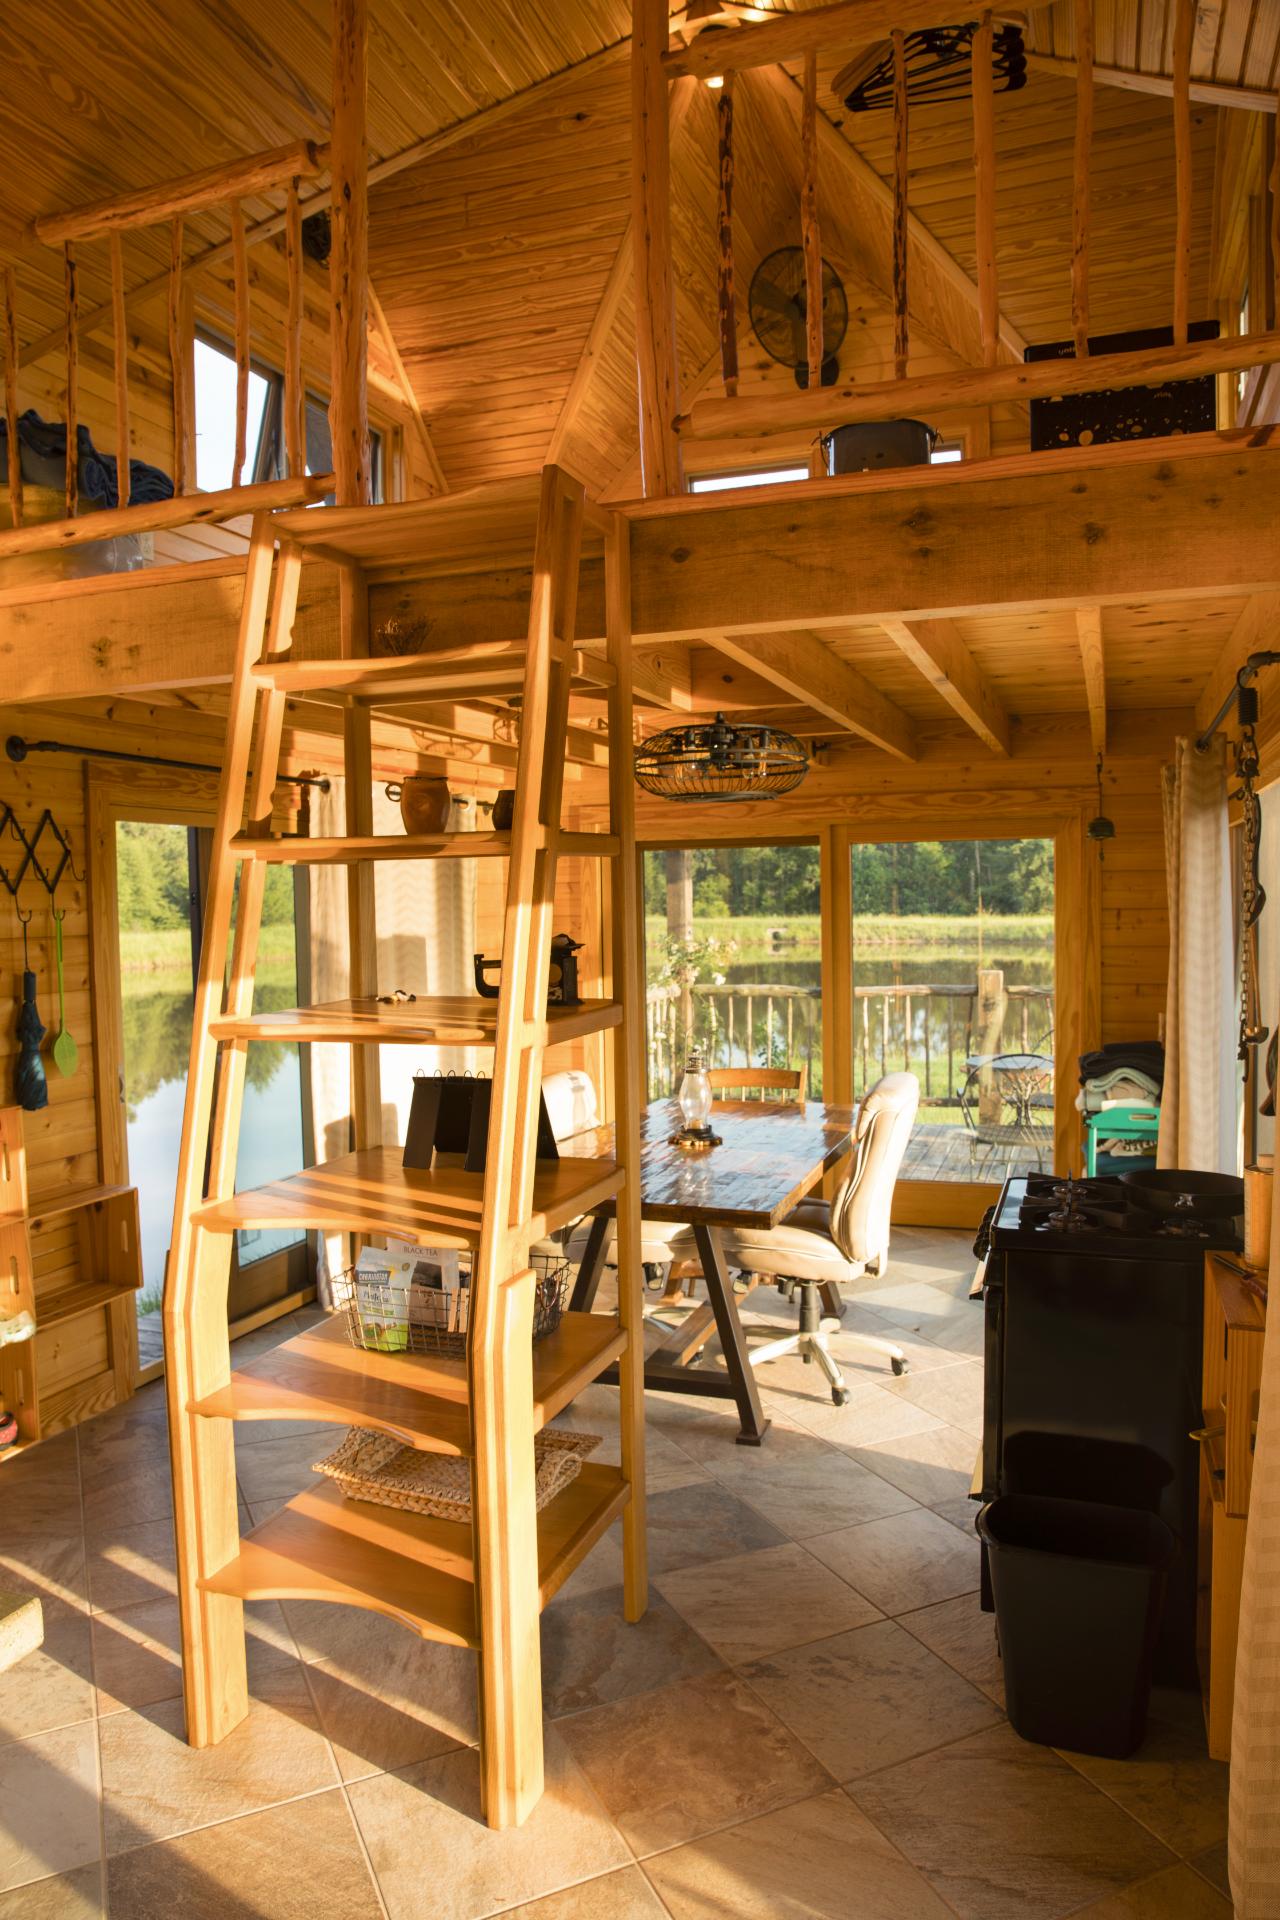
{"x":375,"y":1467}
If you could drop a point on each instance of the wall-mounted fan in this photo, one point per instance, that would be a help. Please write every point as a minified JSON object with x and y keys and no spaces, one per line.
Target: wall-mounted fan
{"x":778,"y":307}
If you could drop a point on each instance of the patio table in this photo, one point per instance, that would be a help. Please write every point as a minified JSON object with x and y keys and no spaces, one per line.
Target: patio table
{"x":772,"y":1154}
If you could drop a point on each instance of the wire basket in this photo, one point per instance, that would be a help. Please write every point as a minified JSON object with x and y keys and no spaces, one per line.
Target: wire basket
{"x":430,"y":1320}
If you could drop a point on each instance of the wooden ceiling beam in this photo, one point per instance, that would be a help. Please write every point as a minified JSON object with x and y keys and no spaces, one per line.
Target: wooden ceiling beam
{"x":844,"y":23}
{"x":253,"y":173}
{"x":937,"y":649}
{"x":1208,"y":93}
{"x":1256,"y":630}
{"x":805,"y":667}
{"x":1093,"y":663}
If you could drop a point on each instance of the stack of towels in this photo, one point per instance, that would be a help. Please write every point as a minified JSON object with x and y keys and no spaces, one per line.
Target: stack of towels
{"x":1128,"y":1073}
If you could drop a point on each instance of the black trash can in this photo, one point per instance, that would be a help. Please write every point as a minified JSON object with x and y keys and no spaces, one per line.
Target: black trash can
{"x":1078,"y":1590}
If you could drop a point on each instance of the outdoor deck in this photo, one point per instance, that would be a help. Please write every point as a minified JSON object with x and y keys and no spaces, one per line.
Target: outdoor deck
{"x":940,"y":1152}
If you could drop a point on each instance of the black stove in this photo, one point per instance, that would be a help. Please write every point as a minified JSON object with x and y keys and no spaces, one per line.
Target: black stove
{"x":1104,"y":1215}
{"x":1094,"y":1302}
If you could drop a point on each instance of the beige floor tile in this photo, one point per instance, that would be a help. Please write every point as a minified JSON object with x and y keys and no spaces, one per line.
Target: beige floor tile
{"x":64,"y":1896}
{"x":672,"y":1765}
{"x":602,"y":1567}
{"x":866,"y":1366}
{"x":960,"y":1633}
{"x":131,"y":1564}
{"x":436,"y":1860}
{"x":270,"y":1470}
{"x":52,"y":1687}
{"x":822,"y":1860}
{"x":932,"y":1467}
{"x":952,"y":1394}
{"x":805,"y":1486}
{"x":49,"y":1804}
{"x":1175,"y":1894}
{"x":870,"y":1698}
{"x":758,"y":1603}
{"x":123,"y":1493}
{"x":48,"y":1563}
{"x":290,"y":1863}
{"x":1212,"y":1865}
{"x":961,"y":1512}
{"x":385,"y":1698}
{"x":871,"y":1414}
{"x":1170,"y":1783}
{"x":137,"y":1651}
{"x":704,"y":1522}
{"x":905,"y":1561}
{"x":1004,"y":1830}
{"x":592,"y":1655}
{"x":614,"y":1896}
{"x":156,"y":1786}
{"x":41,"y":1490}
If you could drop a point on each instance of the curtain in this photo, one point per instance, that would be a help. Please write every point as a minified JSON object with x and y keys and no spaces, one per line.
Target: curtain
{"x":1199,"y":1123}
{"x":1255,"y":1726}
{"x":426,"y":918}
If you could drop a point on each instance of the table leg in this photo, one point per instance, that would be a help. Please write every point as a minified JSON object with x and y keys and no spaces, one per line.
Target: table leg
{"x":732,"y":1340}
{"x":587,"y":1284}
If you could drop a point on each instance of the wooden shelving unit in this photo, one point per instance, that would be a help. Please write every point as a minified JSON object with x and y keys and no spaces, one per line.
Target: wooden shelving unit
{"x":74,"y":1264}
{"x":480,"y":1584}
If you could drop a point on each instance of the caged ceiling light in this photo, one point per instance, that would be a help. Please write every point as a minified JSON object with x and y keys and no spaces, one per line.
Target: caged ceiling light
{"x":713,"y":760}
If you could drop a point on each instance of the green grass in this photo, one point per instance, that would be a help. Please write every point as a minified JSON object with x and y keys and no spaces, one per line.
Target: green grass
{"x":901,"y":933}
{"x":169,"y":951}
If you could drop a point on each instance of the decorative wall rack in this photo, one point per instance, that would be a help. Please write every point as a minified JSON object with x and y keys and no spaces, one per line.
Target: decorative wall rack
{"x":48,"y":876}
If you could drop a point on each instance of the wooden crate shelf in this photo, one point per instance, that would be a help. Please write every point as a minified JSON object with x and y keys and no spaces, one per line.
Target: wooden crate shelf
{"x":372,"y":1192}
{"x":418,"y":1398}
{"x":443,"y":1020}
{"x":65,"y":1303}
{"x":420,"y":1571}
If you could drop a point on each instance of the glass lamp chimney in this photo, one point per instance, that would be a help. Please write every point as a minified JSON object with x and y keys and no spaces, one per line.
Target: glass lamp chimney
{"x":695,"y":1094}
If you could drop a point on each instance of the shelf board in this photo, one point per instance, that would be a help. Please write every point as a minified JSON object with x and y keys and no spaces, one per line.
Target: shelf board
{"x":347,"y":850}
{"x":59,"y":1205}
{"x":372,"y":1192}
{"x":420,"y":1571}
{"x":486,"y":671}
{"x":81,"y":1297}
{"x":421,"y":1399}
{"x":431,"y":1020}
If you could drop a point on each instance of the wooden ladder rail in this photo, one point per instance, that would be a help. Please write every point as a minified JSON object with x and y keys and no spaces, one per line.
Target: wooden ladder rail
{"x":197,"y":1347}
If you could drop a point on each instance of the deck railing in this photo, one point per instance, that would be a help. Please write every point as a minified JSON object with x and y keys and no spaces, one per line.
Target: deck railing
{"x":924,"y":1028}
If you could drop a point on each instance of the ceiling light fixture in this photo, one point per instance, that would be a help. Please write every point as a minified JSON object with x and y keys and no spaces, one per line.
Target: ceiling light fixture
{"x":712,"y":760}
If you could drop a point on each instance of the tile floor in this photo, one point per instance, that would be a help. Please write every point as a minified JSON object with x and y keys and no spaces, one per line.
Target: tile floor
{"x":807,"y":1722}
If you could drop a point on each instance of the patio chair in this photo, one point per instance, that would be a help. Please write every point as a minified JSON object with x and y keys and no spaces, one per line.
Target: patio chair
{"x":740,"y":1082}
{"x":1020,"y":1081}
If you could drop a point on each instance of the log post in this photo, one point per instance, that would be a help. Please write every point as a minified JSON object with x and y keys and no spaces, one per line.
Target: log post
{"x":990,"y":1029}
{"x":655,"y":303}
{"x":901,"y":318}
{"x":240,"y":257}
{"x":810,"y":231}
{"x":1183,"y":34}
{"x":177,"y":359}
{"x":984,"y":207}
{"x":1080,"y":179}
{"x":349,"y":254}
{"x":726,"y":304}
{"x":73,"y":363}
{"x":122,"y":371}
{"x":11,"y":396}
{"x":1275,"y":220}
{"x":295,"y":437}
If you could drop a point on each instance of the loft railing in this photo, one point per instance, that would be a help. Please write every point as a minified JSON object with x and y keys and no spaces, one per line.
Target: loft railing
{"x":714,"y":58}
{"x":222,"y":188}
{"x":923,"y":1028}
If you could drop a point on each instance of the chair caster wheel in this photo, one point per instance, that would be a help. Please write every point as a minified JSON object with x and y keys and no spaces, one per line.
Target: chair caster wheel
{"x":839,"y":1396}
{"x":899,"y":1366}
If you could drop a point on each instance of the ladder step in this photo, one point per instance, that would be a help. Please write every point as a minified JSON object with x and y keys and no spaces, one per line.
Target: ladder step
{"x":442,"y":1020}
{"x":413,"y":846}
{"x":482,"y":672}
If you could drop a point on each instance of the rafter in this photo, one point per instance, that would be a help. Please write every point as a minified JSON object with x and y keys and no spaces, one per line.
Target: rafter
{"x":1092,"y":660}
{"x":805,"y":667}
{"x":1208,"y":93}
{"x":936,"y":648}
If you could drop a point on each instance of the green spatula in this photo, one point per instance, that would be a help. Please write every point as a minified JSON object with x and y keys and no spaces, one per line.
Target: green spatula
{"x":66,"y":1054}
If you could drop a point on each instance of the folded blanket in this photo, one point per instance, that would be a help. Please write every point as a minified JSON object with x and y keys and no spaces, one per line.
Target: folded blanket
{"x":43,"y":446}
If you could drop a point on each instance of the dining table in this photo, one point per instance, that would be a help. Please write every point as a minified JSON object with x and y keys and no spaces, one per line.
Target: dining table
{"x":770,"y":1154}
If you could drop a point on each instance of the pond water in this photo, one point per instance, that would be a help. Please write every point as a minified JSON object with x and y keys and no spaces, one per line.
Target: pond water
{"x":157,"y":1045}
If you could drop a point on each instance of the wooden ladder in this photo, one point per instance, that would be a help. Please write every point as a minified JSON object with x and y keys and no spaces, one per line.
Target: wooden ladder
{"x":480,"y":1585}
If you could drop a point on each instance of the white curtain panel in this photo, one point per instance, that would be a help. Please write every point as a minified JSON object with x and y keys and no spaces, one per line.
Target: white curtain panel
{"x":1254,"y":1850}
{"x":1199,"y":1122}
{"x":426,"y":918}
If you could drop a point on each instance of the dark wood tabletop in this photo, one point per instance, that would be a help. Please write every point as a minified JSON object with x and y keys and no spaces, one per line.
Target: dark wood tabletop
{"x":772,"y":1154}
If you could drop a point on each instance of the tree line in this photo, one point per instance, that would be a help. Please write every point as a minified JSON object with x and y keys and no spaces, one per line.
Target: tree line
{"x":953,"y":878}
{"x":153,"y":880}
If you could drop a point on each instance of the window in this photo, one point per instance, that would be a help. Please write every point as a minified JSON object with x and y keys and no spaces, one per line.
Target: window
{"x":945,"y":454}
{"x":215,"y":373}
